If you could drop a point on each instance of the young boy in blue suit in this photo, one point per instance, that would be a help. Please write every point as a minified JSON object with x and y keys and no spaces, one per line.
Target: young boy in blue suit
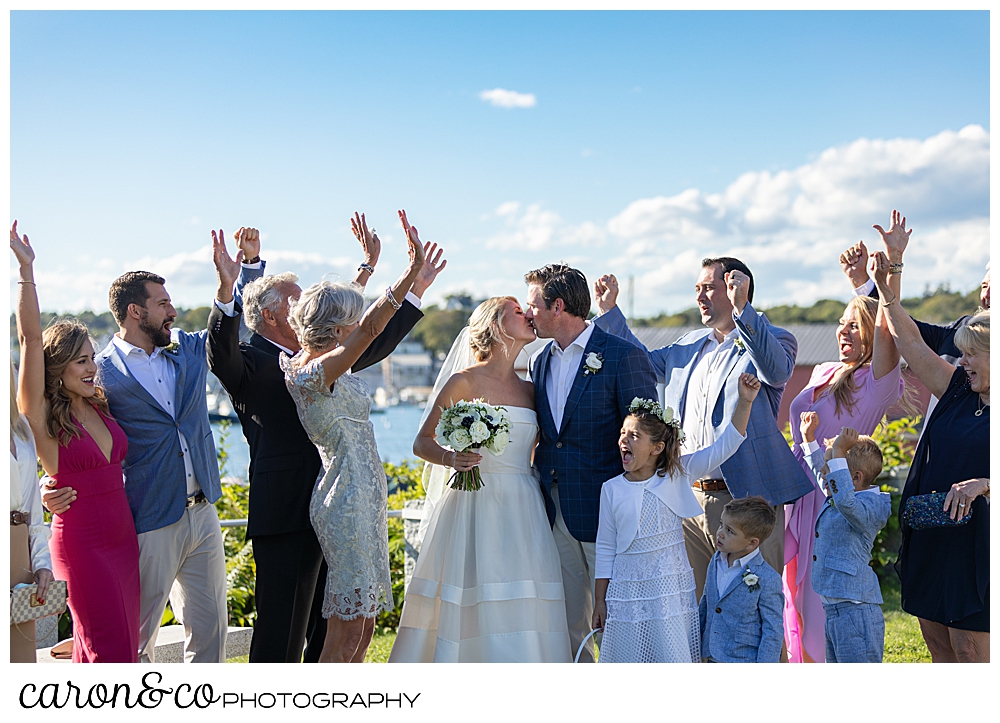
{"x":742,"y":606}
{"x":854,"y":513}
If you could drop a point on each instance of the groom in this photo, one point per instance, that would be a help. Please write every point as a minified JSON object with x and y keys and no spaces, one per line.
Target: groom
{"x":584,"y":380}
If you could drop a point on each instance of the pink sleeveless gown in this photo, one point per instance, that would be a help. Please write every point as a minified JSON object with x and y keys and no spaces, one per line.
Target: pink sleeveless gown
{"x":95,"y":549}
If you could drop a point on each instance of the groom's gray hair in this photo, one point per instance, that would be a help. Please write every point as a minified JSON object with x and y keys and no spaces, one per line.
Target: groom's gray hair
{"x":264,"y":293}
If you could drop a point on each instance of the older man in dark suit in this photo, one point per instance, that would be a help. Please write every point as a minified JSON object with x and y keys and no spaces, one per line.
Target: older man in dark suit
{"x":284,"y":463}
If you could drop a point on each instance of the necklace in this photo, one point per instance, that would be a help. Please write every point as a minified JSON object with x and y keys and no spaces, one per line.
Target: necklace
{"x":979,"y":412}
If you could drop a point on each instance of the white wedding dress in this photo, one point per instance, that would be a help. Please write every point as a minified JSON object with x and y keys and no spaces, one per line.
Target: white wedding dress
{"x":487,"y":586}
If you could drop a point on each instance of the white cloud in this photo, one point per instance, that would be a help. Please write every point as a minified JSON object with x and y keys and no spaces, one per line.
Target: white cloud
{"x":503,"y":98}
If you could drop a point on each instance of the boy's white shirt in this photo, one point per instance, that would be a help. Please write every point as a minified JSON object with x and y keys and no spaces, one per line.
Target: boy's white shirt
{"x":725,"y":572}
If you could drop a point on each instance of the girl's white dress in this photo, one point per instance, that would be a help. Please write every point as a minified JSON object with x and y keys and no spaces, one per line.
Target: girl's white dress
{"x":487,"y":586}
{"x":652,"y":613}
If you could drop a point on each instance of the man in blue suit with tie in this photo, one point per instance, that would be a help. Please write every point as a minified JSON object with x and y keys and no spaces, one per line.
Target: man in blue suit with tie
{"x":701,"y":371}
{"x":585,"y":379}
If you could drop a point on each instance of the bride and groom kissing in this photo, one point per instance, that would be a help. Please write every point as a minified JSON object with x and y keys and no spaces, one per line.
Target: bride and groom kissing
{"x":506,"y":573}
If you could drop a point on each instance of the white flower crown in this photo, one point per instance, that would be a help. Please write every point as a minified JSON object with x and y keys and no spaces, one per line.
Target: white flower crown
{"x":654,"y":408}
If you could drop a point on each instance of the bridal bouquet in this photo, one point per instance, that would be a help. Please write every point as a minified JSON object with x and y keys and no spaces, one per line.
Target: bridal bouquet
{"x":471,"y":425}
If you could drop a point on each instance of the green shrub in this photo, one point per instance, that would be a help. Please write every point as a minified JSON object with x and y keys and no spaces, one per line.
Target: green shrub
{"x":405,"y":482}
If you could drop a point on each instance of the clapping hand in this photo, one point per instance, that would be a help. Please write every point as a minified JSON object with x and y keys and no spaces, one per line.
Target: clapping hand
{"x":21,"y":247}
{"x":808,"y":424}
{"x":737,"y":289}
{"x":896,"y":238}
{"x":227,"y":269}
{"x":854,"y":262}
{"x":430,"y":270}
{"x":368,"y":239}
{"x":606,"y":292}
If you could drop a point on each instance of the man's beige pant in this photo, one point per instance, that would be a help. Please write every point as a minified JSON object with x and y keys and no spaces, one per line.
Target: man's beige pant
{"x":186,"y":563}
{"x":578,"y":561}
{"x":699,"y":536}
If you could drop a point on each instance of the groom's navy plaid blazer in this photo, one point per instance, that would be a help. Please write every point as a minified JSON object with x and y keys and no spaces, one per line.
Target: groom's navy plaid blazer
{"x":583,"y":454}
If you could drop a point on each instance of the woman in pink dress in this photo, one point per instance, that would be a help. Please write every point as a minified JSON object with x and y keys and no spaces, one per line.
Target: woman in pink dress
{"x":94,"y":545}
{"x":854,"y":392}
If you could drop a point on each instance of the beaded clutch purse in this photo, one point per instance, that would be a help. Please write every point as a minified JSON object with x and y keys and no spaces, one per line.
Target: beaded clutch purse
{"x":925,"y":512}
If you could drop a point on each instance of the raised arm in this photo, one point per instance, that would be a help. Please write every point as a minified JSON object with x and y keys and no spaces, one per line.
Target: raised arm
{"x":772,"y":349}
{"x":933,"y":371}
{"x":698,"y":464}
{"x":370,"y":244}
{"x":223,"y":345}
{"x":31,"y":371}
{"x":426,"y":446}
{"x":613,"y":321}
{"x":339,"y":360}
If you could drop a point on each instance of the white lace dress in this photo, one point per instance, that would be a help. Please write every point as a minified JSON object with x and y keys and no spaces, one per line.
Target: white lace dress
{"x":652,"y":611}
{"x":487,"y":586}
{"x":348,"y":506}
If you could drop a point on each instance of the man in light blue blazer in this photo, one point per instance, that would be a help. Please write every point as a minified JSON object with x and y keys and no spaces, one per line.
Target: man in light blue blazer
{"x":743,"y":604}
{"x":701,"y":371}
{"x":846,"y":528}
{"x":156,"y":391}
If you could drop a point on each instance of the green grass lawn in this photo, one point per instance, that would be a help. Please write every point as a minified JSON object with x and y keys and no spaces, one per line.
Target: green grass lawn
{"x":903,"y":642}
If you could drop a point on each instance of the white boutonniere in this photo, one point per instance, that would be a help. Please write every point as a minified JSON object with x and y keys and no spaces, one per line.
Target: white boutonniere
{"x":740,"y":344}
{"x":172,"y":347}
{"x":751,"y":580}
{"x":593,"y":363}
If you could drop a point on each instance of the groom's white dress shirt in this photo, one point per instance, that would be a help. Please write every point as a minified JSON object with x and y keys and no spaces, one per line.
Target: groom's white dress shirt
{"x":562,"y":372}
{"x":697,"y":423}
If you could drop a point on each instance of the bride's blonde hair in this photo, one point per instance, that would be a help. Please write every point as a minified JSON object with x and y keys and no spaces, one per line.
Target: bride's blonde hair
{"x":486,"y":327}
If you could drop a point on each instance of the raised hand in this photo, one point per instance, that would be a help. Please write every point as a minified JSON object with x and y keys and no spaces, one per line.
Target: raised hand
{"x":854,"y":263}
{"x":227,"y":269}
{"x":606,"y":292}
{"x":21,"y":247}
{"x":248,"y":241}
{"x":808,"y":424}
{"x":749,"y":386}
{"x":847,"y":438}
{"x":415,"y":248}
{"x":430,"y":270}
{"x":368,"y":239}
{"x":737,"y":289}
{"x":896,"y":238}
{"x":879,"y":268}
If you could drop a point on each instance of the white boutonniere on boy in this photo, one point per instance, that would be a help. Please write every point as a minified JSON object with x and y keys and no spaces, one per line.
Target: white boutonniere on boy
{"x":751,"y":580}
{"x":172,"y":347}
{"x":593,"y":363}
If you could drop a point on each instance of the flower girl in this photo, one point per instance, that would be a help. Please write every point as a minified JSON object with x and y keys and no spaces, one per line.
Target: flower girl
{"x":644,"y":593}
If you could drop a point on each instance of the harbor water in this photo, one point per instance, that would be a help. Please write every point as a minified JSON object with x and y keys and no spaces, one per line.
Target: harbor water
{"x":394,"y":433}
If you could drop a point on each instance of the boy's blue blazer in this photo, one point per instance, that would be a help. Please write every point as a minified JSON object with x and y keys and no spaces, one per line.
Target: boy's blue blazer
{"x":740,"y":625}
{"x":845,"y":531}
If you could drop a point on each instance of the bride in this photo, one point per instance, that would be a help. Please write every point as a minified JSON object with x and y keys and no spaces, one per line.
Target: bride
{"x":487,"y":586}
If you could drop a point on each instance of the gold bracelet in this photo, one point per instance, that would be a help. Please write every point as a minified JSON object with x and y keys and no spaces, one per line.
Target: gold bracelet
{"x":27,"y":282}
{"x":889,"y":302}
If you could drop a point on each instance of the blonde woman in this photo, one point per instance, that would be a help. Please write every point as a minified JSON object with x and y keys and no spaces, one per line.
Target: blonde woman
{"x":94,"y":546}
{"x":29,"y":535}
{"x":487,"y":586}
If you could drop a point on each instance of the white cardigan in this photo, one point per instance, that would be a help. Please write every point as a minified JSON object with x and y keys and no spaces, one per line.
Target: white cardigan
{"x":621,"y":500}
{"x":25,"y":497}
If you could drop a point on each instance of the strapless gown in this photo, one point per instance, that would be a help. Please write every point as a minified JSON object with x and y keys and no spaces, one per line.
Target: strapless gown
{"x":487,"y":586}
{"x":95,"y":550}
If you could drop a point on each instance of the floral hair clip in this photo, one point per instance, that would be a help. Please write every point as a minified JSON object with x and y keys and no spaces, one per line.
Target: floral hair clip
{"x":652,"y":407}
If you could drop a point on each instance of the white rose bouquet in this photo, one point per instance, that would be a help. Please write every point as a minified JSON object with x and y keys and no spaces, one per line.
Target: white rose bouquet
{"x":471,"y":425}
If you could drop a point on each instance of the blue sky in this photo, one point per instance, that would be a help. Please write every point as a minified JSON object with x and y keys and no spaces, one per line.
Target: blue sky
{"x":655,"y":138}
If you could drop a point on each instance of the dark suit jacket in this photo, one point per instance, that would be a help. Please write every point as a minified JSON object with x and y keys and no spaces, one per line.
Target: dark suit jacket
{"x":284,"y":464}
{"x":583,"y":454}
